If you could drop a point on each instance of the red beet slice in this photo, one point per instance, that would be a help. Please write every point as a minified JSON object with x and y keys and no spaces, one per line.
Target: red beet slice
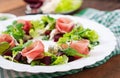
{"x":57,"y":36}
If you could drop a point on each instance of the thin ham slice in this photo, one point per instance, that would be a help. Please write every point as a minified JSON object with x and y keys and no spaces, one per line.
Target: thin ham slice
{"x":27,"y":25}
{"x":80,"y":46}
{"x":64,"y":25}
{"x":34,"y":51}
{"x":7,"y":38}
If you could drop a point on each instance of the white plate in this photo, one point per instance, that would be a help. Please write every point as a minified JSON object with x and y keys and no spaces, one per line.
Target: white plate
{"x":107,"y":45}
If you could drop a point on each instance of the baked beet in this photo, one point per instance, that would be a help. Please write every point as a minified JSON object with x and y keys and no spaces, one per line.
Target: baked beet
{"x":57,"y":36}
{"x":20,"y":58}
{"x":8,"y":53}
{"x":24,"y":60}
{"x":46,"y":60}
{"x":71,"y":58}
{"x":47,"y":32}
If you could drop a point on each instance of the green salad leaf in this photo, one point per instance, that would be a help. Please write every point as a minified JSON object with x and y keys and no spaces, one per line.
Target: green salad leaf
{"x":79,"y":33}
{"x":75,"y":34}
{"x":60,"y":60}
{"x":35,"y":62}
{"x":65,"y":6}
{"x":72,"y":52}
{"x":49,"y":21}
{"x":38,"y":24}
{"x":21,"y":46}
{"x":15,"y":30}
{"x":93,"y":44}
{"x":3,"y":47}
{"x":45,"y":38}
{"x":33,"y":33}
{"x":90,"y":34}
{"x":14,"y":53}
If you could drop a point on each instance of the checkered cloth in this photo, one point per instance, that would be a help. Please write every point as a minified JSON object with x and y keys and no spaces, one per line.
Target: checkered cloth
{"x":108,"y":19}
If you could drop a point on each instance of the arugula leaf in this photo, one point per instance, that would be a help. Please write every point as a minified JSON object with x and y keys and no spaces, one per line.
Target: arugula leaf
{"x":71,"y":52}
{"x":20,"y":47}
{"x":15,"y":30}
{"x":27,"y":43}
{"x":3,"y":47}
{"x":17,"y":48}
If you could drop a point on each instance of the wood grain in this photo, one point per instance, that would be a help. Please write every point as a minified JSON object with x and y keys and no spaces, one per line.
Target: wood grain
{"x":7,"y":5}
{"x":107,"y":5}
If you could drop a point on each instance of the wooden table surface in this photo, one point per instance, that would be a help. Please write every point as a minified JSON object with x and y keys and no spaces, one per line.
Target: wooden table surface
{"x":111,"y":69}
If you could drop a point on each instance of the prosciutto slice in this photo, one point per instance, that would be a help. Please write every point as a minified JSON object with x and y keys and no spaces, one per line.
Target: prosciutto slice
{"x":34,"y":51}
{"x":7,"y":38}
{"x":80,"y":46}
{"x":27,"y":25}
{"x":64,"y":25}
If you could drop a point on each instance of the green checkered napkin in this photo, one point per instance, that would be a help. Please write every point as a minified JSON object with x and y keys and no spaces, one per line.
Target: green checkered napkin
{"x":108,"y":19}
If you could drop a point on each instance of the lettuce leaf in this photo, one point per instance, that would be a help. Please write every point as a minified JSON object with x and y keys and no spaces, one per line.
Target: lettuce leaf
{"x":38,"y":24}
{"x":73,"y":35}
{"x":15,"y":30}
{"x":66,"y":6}
{"x":90,"y":34}
{"x":33,"y":33}
{"x":60,"y":60}
{"x":79,"y":33}
{"x":49,"y":21}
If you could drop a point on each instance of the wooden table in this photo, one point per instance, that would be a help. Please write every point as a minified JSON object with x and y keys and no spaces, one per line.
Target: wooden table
{"x":111,"y":69}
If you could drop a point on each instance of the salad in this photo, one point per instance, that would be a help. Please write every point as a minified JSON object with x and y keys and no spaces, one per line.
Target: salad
{"x":47,"y":41}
